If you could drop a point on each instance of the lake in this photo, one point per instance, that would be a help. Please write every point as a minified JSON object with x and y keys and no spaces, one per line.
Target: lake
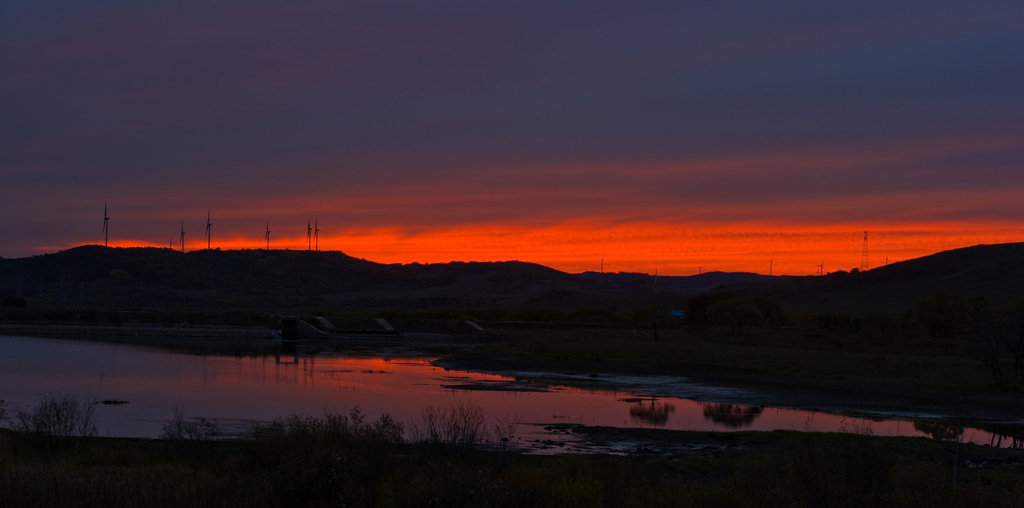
{"x":239,"y":390}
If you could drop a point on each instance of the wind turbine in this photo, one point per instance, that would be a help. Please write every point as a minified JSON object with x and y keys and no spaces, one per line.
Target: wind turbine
{"x":267,"y":236}
{"x":182,"y":237}
{"x":309,"y":235}
{"x":821,"y":267}
{"x":771,"y":266}
{"x":208,"y":224}
{"x":106,"y":231}
{"x":316,"y":234}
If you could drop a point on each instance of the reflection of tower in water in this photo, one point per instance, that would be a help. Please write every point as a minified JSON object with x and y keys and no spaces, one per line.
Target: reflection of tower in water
{"x":731,"y":415}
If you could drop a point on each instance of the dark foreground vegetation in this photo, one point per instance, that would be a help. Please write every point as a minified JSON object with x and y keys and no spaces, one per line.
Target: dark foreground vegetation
{"x":345,"y":461}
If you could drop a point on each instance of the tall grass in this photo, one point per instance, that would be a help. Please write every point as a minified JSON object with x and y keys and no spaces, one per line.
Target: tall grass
{"x":331,"y":462}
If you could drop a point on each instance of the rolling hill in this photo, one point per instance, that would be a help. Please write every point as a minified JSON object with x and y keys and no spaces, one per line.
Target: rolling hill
{"x":92,"y":275}
{"x":995,"y":272}
{"x":147,"y":277}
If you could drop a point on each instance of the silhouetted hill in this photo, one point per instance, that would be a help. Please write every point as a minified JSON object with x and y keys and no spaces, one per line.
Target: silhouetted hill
{"x":95,"y":275}
{"x":153,"y":277}
{"x":995,"y":272}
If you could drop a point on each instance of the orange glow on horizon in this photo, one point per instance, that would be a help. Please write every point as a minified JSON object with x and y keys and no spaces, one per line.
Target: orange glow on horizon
{"x":672,"y":249}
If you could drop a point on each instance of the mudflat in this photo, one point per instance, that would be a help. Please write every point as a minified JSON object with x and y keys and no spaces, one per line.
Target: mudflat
{"x":779,"y":369}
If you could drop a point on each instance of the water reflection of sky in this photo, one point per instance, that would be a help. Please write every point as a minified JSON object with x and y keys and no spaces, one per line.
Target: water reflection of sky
{"x":240,"y":389}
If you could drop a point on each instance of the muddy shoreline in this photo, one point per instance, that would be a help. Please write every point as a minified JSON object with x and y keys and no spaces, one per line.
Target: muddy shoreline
{"x":853,"y":398}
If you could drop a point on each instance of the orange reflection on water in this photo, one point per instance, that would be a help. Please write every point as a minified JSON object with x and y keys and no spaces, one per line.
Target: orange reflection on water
{"x":243,"y":389}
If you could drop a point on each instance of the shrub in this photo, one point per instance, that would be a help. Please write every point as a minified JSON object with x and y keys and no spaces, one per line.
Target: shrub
{"x":504,"y":428}
{"x":946,"y":314}
{"x":191,"y":439}
{"x":736,"y":312}
{"x":460,"y":423}
{"x":57,"y":418}
{"x":330,"y":429}
{"x":178,"y":429}
{"x":729,"y":308}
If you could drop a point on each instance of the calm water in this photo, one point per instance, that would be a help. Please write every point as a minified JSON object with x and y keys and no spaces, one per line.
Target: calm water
{"x":237,"y":391}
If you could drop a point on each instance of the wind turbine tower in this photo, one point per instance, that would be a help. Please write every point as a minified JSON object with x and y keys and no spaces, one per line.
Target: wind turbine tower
{"x":316,"y":234}
{"x":208,"y":224}
{"x":106,"y":231}
{"x":267,"y":236}
{"x":182,"y":237}
{"x":309,"y":235}
{"x":864,"y":254}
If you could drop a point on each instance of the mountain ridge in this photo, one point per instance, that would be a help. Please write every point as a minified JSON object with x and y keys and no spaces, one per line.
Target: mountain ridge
{"x":93,"y":275}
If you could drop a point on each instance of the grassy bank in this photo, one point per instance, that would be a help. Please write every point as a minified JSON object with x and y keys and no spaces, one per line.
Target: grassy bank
{"x":912,"y":362}
{"x":335,"y":469}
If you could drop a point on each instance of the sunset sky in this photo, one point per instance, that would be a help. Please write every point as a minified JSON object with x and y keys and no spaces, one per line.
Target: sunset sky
{"x":679,"y":134}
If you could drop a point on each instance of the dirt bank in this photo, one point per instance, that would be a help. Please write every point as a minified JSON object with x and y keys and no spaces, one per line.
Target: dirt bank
{"x":856,"y":398}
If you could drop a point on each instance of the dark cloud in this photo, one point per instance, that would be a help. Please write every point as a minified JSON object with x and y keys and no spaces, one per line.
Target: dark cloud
{"x":246,"y":100}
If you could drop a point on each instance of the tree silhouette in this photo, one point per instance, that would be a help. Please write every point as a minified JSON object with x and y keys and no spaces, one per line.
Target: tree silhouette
{"x":736,"y":312}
